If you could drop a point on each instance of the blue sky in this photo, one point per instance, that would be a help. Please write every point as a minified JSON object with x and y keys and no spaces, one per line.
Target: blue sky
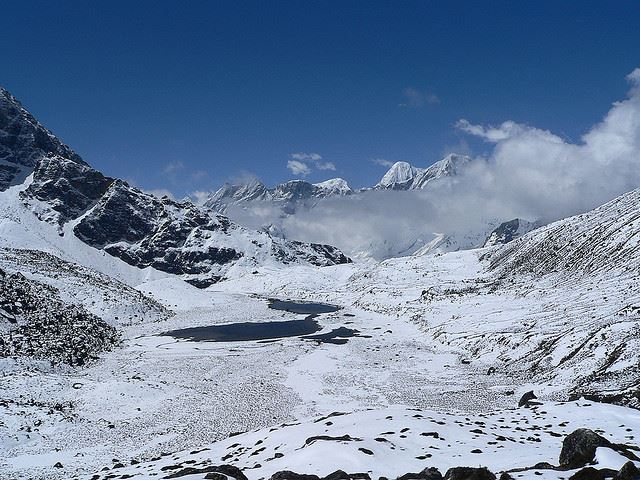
{"x":184,"y":96}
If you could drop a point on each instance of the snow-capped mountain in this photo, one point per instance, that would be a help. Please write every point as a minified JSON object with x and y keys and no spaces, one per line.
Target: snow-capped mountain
{"x":288,"y":196}
{"x":404,"y":176}
{"x":291,"y":195}
{"x":24,"y":142}
{"x":399,"y":177}
{"x":144,"y":231}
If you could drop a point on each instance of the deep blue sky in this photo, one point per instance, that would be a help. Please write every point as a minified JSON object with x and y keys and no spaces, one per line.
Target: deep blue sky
{"x":186,"y":95}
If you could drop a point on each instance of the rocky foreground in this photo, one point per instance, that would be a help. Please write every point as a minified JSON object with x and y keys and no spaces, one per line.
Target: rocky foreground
{"x":536,"y":440}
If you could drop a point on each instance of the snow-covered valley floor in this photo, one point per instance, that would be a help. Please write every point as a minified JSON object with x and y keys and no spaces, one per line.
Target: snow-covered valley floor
{"x":419,"y":348}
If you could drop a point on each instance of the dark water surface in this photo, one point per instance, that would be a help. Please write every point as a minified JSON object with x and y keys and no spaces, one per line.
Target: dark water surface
{"x":304,"y":308}
{"x":247,"y":331}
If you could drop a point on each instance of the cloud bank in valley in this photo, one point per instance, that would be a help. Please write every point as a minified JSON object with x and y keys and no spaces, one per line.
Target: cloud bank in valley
{"x":529,"y":173}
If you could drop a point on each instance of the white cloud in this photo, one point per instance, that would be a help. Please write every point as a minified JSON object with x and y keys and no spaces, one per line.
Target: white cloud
{"x":298,"y":168}
{"x":490,"y":134}
{"x":325,"y":166}
{"x":302,"y":163}
{"x":415,"y":98}
{"x":172,"y":168}
{"x":530,"y":173}
{"x":383,"y":162}
{"x":199,"y":197}
{"x":306,"y":156}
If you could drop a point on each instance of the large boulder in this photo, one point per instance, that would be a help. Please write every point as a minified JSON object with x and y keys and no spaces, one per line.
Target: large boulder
{"x":590,"y":473}
{"x":628,"y":472}
{"x":579,"y":448}
{"x":288,"y":475}
{"x":429,"y":473}
{"x":469,"y":473}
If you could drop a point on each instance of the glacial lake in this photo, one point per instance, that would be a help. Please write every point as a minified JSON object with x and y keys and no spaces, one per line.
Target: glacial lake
{"x":247,"y":331}
{"x":303,"y":308}
{"x":251,"y":331}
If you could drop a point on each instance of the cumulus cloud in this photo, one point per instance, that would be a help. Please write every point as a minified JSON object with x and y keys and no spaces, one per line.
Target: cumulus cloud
{"x":415,"y":98}
{"x":314,"y":157}
{"x":383,"y":162}
{"x":199,"y":197}
{"x":529,"y":173}
{"x":172,"y":168}
{"x":303,"y":164}
{"x":298,"y":168}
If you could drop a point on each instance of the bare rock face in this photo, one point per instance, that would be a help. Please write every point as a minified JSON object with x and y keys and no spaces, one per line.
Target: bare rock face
{"x":184,"y":239}
{"x":69,"y":188}
{"x":24,"y":142}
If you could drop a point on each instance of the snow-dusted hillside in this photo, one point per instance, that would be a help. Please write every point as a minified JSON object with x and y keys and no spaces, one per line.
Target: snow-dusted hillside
{"x":604,"y":240}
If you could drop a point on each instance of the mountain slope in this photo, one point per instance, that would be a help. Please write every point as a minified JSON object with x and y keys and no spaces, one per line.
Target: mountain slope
{"x":595,"y":242}
{"x":144,"y":231}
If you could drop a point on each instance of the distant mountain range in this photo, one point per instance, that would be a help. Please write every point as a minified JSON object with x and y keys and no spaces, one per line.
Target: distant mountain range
{"x":295,"y":196}
{"x":48,"y":179}
{"x":291,"y":195}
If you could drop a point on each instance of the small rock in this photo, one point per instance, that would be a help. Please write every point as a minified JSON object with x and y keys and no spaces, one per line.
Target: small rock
{"x":58,"y":465}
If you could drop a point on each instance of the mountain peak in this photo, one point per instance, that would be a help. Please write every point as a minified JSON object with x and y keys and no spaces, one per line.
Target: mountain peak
{"x":24,"y":142}
{"x":334,"y":186}
{"x":399,"y":176}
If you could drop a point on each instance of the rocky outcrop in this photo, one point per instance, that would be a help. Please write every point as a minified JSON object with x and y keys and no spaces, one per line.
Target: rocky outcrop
{"x":509,"y":231}
{"x":579,"y":448}
{"x":183,"y":239}
{"x":67,"y":188}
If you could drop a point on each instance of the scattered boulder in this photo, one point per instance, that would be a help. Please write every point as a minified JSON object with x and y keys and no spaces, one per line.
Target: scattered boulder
{"x":287,"y":475}
{"x":429,"y":473}
{"x":579,"y":448}
{"x":590,"y":473}
{"x":628,"y":472}
{"x":526,"y":398}
{"x":469,"y":473}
